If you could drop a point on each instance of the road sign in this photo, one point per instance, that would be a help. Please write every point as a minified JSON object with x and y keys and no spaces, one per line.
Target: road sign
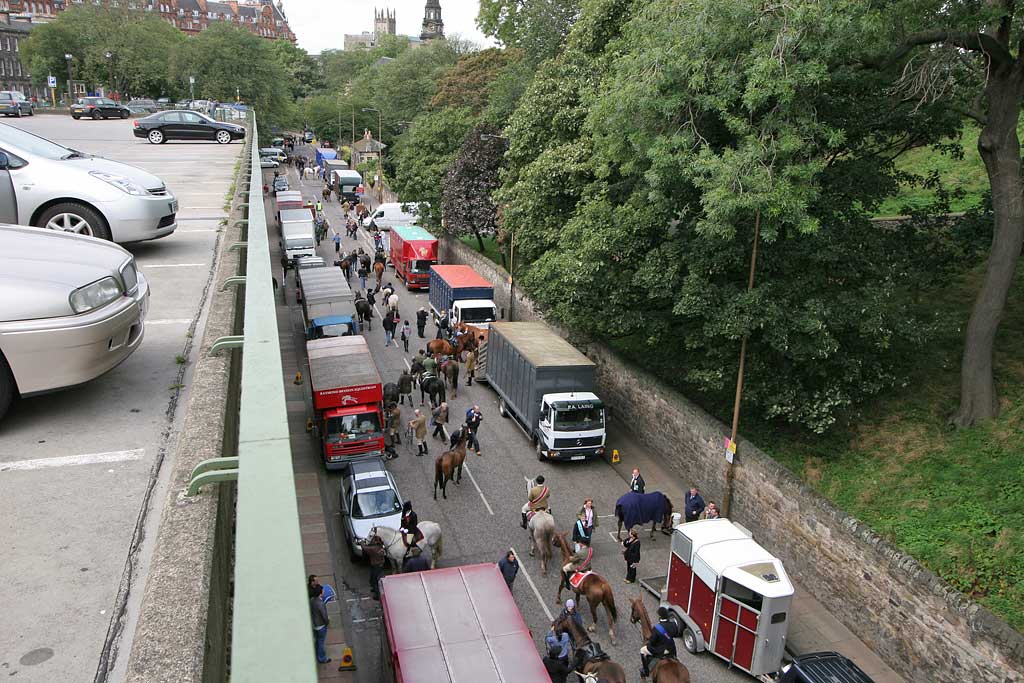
{"x":51,"y":82}
{"x":191,"y":80}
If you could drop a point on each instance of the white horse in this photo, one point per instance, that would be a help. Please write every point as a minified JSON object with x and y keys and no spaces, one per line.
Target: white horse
{"x":394,"y":546}
{"x":542,"y":534}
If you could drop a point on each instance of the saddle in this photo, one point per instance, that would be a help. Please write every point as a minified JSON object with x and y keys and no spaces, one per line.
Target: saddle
{"x":592,"y":652}
{"x":577,"y":578}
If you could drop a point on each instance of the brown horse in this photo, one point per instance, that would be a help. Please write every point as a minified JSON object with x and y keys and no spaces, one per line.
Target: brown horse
{"x":450,"y":371}
{"x":590,"y":663}
{"x":446,"y":464}
{"x":378,"y":271}
{"x":326,"y":194}
{"x":668,"y":670}
{"x":594,"y":587}
{"x":440,"y":347}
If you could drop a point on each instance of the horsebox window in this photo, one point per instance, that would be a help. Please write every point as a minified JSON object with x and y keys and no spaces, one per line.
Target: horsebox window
{"x":742,"y":594}
{"x":778,"y":617}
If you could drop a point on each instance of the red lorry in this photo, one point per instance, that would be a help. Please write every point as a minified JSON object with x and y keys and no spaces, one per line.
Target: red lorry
{"x":413,"y":251}
{"x":455,"y":624}
{"x":347,"y":394}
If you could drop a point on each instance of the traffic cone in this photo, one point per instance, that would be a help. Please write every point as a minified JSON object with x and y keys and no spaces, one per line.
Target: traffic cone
{"x":348,"y":661}
{"x":298,"y":378}
{"x":615,"y":456}
{"x":309,"y":424}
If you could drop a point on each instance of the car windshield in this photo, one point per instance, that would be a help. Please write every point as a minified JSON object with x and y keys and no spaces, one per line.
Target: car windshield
{"x":351,"y":427}
{"x":422,"y":265}
{"x":370,"y":504}
{"x":477,"y":315}
{"x":33,"y":144}
{"x":579,"y":419}
{"x":299,"y":243}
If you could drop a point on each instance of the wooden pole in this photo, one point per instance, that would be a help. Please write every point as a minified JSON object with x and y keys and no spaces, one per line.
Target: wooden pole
{"x":727,"y":495}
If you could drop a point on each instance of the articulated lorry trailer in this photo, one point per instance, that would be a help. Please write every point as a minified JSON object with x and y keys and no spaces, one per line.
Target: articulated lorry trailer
{"x":547,"y":386}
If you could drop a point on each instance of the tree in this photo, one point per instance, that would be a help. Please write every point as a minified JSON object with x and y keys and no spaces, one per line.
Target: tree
{"x":537,"y":27}
{"x":423,"y":154}
{"x":469,"y":183}
{"x":302,"y":71}
{"x":966,"y":55}
{"x":467,"y":83}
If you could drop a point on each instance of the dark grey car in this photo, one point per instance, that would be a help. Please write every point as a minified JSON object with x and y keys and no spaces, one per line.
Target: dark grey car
{"x":14,"y":103}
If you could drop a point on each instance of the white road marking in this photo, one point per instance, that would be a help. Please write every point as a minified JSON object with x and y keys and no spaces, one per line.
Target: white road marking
{"x":71,"y":460}
{"x":486,"y":504}
{"x":170,"y":321}
{"x":543,"y":605}
{"x":529,"y":486}
{"x":147,"y":266}
{"x":360,"y":621}
{"x":408,"y":364}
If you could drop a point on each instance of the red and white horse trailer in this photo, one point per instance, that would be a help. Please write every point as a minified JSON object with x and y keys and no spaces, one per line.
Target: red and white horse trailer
{"x":731,"y":595}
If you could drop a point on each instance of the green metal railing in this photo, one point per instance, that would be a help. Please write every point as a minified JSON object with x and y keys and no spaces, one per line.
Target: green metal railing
{"x":272,"y":634}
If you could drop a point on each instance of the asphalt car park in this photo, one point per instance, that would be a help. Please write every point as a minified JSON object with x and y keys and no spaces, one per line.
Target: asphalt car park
{"x":78,"y":466}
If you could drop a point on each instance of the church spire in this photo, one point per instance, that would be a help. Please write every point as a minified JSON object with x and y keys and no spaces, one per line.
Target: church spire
{"x":433,"y":26}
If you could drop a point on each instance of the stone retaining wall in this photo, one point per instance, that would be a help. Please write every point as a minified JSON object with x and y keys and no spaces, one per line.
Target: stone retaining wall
{"x":921,"y":626}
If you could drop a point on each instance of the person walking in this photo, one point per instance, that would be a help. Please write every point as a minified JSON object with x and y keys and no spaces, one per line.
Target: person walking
{"x":637,"y":484}
{"x":373,"y":550}
{"x":406,"y":333}
{"x":320,"y":623}
{"x":393,"y":418}
{"x":711,"y":511}
{"x":319,"y":207}
{"x":559,"y":645}
{"x":693,"y":504}
{"x":473,"y":419}
{"x":337,"y":243}
{"x":579,"y":530}
{"x":438,"y":418}
{"x":631,"y":554}
{"x":389,"y":329}
{"x":589,"y":516}
{"x":509,"y":566}
{"x":312,"y":581}
{"x":421,"y":322}
{"x":363,"y":273}
{"x":419,"y":426}
{"x":370,"y":296}
{"x":405,"y":387}
{"x":470,"y":367}
{"x":442,"y":326}
{"x":416,"y":562}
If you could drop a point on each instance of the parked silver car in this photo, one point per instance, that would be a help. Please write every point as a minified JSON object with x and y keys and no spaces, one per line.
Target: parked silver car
{"x":71,"y":308}
{"x":51,"y":186}
{"x":369,"y":497}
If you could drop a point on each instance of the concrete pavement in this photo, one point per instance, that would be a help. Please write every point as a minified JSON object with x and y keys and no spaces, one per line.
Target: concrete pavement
{"x":74,"y":536}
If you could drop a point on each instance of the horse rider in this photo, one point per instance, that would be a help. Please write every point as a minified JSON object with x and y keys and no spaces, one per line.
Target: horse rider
{"x":411,"y":534}
{"x":579,"y":561}
{"x":537,"y":499}
{"x":661,"y":644}
{"x":429,"y":366}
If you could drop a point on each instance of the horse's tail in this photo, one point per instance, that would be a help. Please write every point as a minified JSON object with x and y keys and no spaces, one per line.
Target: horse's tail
{"x":439,"y":548}
{"x":609,"y":604}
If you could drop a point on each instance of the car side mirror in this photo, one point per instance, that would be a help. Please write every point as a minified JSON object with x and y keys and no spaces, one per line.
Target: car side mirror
{"x":5,"y":161}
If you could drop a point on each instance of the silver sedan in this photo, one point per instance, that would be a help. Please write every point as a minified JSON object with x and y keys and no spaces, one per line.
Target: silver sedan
{"x":52,"y":186}
{"x":71,"y":308}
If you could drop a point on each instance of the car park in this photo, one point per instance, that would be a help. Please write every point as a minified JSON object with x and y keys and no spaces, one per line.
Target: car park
{"x":98,"y":108}
{"x":71,"y":308}
{"x":14,"y":103}
{"x":369,"y":498}
{"x":47,"y":185}
{"x":185,"y":125}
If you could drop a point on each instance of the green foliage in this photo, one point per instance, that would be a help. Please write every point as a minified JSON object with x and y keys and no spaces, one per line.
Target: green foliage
{"x":302,"y":73}
{"x":538,"y":27}
{"x":423,"y":154}
{"x":469,"y":182}
{"x":466,"y":84}
{"x":331,"y":116}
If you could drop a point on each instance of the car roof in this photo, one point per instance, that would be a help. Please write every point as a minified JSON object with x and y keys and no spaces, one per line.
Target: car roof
{"x":367,"y":466}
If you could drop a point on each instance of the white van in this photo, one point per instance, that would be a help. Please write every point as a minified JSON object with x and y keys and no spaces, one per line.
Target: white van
{"x":391,"y":214}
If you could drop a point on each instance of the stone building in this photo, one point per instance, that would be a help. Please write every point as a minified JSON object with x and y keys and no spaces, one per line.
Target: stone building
{"x":13,"y":76}
{"x":433,"y":26}
{"x":366,"y":149}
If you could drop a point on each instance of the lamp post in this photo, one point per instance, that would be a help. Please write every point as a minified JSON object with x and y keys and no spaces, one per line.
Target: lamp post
{"x":67,"y":58}
{"x":380,"y":153}
{"x":110,"y":71}
{"x":511,"y":248}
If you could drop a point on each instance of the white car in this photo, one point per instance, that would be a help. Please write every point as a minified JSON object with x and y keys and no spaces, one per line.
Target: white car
{"x":71,"y":308}
{"x":268,"y":163}
{"x":51,"y":186}
{"x":369,"y":498}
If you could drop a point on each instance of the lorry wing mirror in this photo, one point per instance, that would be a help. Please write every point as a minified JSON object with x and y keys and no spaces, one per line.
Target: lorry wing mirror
{"x":5,"y":161}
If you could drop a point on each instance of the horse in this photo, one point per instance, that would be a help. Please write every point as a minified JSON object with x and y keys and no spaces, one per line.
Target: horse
{"x":542,"y":533}
{"x":391,"y":394}
{"x":633,"y":508}
{"x":597,"y":590}
{"x":416,"y":368}
{"x":345,"y":266}
{"x":450,"y":371}
{"x":365,"y":312}
{"x":440,"y":347}
{"x":378,"y":270}
{"x":596,"y":666}
{"x":364,"y":261}
{"x":326,"y":194}
{"x":665,"y":670}
{"x":394,"y":546}
{"x":433,"y":386}
{"x":446,"y":464}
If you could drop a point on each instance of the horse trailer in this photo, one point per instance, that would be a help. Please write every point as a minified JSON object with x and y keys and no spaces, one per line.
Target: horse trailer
{"x":730,"y":595}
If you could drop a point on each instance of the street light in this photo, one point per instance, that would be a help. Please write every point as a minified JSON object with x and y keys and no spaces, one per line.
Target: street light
{"x":511,"y":249}
{"x":68,"y":57}
{"x":380,"y":152}
{"x":110,"y":71}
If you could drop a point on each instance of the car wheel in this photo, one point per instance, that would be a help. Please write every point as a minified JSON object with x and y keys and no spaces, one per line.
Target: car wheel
{"x":75,"y":117}
{"x":156,"y":137}
{"x":17,"y":113}
{"x":689,"y":641}
{"x":124,"y":115}
{"x":96,"y":116}
{"x":32,"y":112}
{"x":223,"y":137}
{"x":76,"y":218}
{"x":7,"y":388}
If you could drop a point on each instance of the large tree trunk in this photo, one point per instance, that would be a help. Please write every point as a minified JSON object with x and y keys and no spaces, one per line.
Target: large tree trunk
{"x":1000,"y":150}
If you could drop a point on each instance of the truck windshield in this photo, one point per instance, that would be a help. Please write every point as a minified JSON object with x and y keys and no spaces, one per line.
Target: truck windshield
{"x":375,"y":504}
{"x":298,"y":243}
{"x":352,"y":427}
{"x":422,"y":265}
{"x":579,"y":419}
{"x":477,"y":315}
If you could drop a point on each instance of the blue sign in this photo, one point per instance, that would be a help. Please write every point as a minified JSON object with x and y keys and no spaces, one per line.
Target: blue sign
{"x":51,"y":82}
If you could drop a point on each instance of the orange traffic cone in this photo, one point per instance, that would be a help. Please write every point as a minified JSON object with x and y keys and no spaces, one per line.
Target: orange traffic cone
{"x":298,"y":378}
{"x":615,"y":455}
{"x":348,"y":661}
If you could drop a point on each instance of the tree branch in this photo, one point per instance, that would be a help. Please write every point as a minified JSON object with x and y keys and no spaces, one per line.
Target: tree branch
{"x":974,"y":42}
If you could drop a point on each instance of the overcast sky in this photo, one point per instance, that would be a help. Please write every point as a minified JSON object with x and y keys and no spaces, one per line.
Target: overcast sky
{"x":321,"y":24}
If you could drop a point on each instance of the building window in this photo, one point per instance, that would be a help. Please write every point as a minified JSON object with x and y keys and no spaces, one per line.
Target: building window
{"x":17,"y":67}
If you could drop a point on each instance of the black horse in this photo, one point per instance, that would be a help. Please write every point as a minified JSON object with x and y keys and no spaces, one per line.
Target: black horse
{"x":391,"y":394}
{"x":433,"y":386}
{"x":365,"y":312}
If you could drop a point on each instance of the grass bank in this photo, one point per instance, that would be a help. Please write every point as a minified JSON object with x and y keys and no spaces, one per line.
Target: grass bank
{"x":492,"y":249}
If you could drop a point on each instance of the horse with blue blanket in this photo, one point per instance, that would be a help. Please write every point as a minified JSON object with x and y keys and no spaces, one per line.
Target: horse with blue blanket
{"x":634,"y":509}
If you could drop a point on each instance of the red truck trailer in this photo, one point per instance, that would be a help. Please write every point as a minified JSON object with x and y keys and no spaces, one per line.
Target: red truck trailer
{"x":347,"y":394}
{"x":413,"y":251}
{"x":455,"y":625}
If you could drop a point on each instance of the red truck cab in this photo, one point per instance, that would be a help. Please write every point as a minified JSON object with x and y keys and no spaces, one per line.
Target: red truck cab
{"x":347,"y":394}
{"x":413,"y":251}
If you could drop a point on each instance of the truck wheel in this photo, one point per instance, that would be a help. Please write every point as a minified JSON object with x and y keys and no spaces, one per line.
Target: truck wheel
{"x":689,"y":641}
{"x":502,"y":410}
{"x":540,"y":449}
